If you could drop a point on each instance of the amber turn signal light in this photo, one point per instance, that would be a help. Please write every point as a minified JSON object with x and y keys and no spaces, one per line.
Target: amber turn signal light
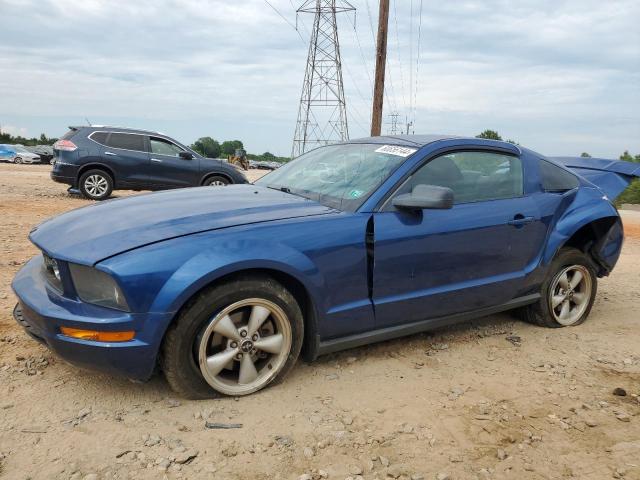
{"x":97,"y":336}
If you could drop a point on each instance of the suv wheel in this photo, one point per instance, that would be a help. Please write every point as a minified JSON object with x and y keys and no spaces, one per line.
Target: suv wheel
{"x":96,"y":184}
{"x":568,"y":292}
{"x":216,"y":181}
{"x":233,"y":339}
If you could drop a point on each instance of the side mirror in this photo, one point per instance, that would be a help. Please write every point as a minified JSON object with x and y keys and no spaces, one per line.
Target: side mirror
{"x":425,"y":196}
{"x":186,"y":155}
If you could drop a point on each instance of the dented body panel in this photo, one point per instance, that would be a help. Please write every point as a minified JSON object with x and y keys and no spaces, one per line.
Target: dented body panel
{"x":362,"y":276}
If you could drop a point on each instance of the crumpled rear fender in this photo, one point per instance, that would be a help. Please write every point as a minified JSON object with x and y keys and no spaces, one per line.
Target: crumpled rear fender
{"x":589,"y":215}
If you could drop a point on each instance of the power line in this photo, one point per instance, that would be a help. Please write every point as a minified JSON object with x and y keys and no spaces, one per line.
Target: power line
{"x":284,"y":18}
{"x":395,"y":17}
{"x":415,"y":94}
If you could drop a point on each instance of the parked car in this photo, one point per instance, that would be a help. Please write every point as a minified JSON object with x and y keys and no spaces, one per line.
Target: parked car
{"x":45,"y":152}
{"x":18,"y":154}
{"x":97,"y":160}
{"x":224,"y":288}
{"x":264,"y":165}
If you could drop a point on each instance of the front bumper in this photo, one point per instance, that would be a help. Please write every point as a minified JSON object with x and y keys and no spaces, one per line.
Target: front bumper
{"x":41,"y":311}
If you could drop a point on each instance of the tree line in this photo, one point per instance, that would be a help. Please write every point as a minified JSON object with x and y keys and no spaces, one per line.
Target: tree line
{"x":211,"y":148}
{"x":29,"y":142}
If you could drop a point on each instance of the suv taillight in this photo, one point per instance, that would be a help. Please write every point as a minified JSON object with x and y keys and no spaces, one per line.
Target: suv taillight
{"x":65,"y":146}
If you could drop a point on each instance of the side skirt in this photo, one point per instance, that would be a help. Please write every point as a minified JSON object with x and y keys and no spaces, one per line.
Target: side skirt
{"x":382,"y":334}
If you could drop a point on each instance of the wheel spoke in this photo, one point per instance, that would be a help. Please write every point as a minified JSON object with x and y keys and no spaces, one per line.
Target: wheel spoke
{"x":579,"y":298}
{"x":271,"y":344}
{"x":215,"y":363}
{"x":576,"y":279}
{"x":258,"y":315}
{"x":564,"y":281}
{"x":566,"y":308}
{"x":248,"y":372}
{"x":557,"y":300}
{"x":226,"y":328}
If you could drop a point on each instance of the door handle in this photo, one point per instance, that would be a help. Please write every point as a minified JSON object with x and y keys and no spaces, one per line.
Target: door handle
{"x":520,"y":220}
{"x":111,"y":153}
{"x":156,"y":160}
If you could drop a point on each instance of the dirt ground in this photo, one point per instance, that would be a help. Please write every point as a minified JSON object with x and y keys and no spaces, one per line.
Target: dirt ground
{"x":488,"y":399}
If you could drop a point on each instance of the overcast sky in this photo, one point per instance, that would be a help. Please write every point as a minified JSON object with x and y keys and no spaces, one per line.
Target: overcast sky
{"x":561,"y":77}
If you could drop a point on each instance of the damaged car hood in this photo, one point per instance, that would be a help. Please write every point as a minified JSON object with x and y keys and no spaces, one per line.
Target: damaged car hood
{"x":88,"y":235}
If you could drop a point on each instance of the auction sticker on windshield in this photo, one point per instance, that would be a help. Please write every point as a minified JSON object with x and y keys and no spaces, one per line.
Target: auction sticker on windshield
{"x":395,"y":150}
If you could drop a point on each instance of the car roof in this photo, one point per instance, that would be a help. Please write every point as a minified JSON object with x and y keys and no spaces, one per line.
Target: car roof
{"x":113,"y":128}
{"x":422,"y":140}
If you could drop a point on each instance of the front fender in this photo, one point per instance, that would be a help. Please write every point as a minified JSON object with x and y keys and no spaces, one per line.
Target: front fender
{"x":162,"y":277}
{"x":218,"y":261}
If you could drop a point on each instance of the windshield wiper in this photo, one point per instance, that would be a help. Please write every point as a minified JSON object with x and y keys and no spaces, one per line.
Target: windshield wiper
{"x":287,"y":190}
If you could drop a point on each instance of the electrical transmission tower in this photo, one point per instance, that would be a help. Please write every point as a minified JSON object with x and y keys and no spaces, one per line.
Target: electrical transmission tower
{"x":394,"y":123}
{"x":322,"y":117}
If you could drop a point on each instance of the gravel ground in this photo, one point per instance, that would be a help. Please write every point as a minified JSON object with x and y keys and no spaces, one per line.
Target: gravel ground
{"x":489,"y":399}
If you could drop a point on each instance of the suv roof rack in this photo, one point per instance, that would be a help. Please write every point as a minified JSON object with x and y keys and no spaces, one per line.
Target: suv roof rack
{"x":116,"y":126}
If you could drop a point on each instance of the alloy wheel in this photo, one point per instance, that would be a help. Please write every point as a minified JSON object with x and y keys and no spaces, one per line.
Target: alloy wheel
{"x":570,"y":294}
{"x":244,"y":346}
{"x":96,"y":185}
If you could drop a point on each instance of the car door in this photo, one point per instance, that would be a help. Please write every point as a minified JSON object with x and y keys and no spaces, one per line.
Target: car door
{"x":168,"y":169}
{"x":434,"y":263}
{"x":126,"y":154}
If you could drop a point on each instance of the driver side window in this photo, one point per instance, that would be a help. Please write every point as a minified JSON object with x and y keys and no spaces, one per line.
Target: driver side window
{"x":160,"y":146}
{"x":473,"y":176}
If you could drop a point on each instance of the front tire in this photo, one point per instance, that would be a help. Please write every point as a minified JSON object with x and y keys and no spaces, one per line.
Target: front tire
{"x":233,"y":339}
{"x":17,"y":160}
{"x":567,"y":293}
{"x":96,"y":185}
{"x":216,"y":181}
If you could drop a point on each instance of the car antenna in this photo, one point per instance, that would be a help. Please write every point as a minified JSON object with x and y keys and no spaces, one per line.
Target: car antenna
{"x":88,"y":122}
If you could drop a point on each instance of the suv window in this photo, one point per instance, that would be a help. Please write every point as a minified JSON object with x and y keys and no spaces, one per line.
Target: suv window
{"x":473,"y":176}
{"x":127,"y":141}
{"x":556,"y":179}
{"x":100,"y":137}
{"x":160,"y":146}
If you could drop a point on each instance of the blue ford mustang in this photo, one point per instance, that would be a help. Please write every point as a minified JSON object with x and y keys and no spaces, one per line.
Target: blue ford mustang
{"x":349,"y":244}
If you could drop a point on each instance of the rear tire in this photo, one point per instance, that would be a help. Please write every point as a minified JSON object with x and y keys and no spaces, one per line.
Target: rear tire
{"x":216,"y":181}
{"x":568,"y":292}
{"x":205,"y":350}
{"x":96,"y":185}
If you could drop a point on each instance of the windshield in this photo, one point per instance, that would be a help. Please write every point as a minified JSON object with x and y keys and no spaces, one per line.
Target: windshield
{"x":338,"y":176}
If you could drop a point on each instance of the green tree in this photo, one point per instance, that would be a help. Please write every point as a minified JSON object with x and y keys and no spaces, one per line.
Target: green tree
{"x":268,"y":156}
{"x":627,"y":157}
{"x":230,"y":146}
{"x":207,"y":146}
{"x":490,"y":134}
{"x":585,"y":155}
{"x":632,"y":193}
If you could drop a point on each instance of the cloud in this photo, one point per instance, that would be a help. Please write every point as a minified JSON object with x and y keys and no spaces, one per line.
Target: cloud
{"x":564,"y":76}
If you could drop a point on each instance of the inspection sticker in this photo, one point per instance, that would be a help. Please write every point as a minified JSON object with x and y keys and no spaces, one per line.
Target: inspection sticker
{"x":395,"y":150}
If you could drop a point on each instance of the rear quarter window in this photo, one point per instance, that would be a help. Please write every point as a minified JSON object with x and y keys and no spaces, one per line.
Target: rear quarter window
{"x":556,"y":179}
{"x":100,"y":137}
{"x":127,"y":141}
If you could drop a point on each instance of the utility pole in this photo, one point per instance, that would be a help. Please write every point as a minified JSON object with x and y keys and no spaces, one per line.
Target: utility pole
{"x":381,"y":63}
{"x":322,"y":115}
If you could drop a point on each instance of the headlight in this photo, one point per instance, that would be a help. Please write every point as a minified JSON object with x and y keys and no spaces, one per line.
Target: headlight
{"x":97,"y":287}
{"x":52,"y":272}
